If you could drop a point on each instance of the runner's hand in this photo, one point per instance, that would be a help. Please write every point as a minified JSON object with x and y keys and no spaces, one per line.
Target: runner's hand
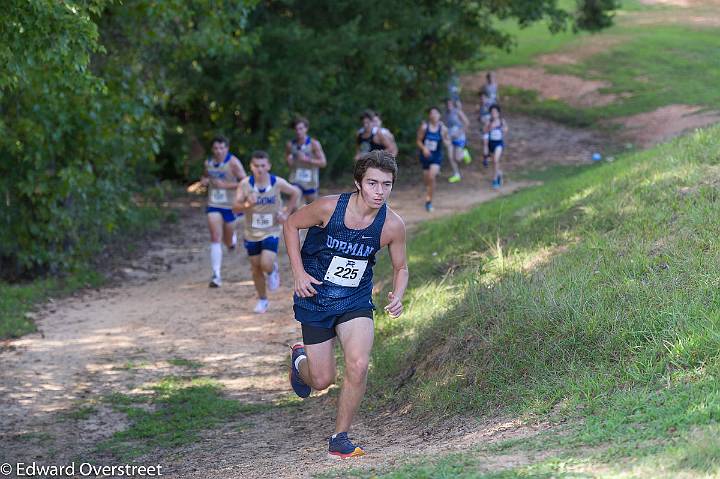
{"x":281,"y":217}
{"x":303,"y":285}
{"x":251,"y":199}
{"x":394,"y":307}
{"x":426,"y":153}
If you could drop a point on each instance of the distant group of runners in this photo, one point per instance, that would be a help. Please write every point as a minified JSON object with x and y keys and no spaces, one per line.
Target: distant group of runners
{"x":333,"y":267}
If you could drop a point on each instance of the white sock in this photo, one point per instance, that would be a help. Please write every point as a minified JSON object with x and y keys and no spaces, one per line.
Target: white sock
{"x":297,"y":361}
{"x":216,"y":258}
{"x":234,"y":240}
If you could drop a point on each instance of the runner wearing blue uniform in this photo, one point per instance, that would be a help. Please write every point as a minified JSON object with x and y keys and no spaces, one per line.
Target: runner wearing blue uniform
{"x":496,"y":130}
{"x":305,"y":156}
{"x":456,"y":122}
{"x":431,"y":135}
{"x":223,"y":172}
{"x":392,"y":145}
{"x":333,"y":285}
{"x":371,"y":138}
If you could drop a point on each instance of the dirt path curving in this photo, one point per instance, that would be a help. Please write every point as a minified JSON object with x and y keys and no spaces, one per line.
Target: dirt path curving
{"x":119,"y":338}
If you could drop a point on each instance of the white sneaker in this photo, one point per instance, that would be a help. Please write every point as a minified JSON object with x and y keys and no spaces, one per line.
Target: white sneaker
{"x":233,"y":244}
{"x":261,"y":306}
{"x":215,"y":282}
{"x":273,"y":278}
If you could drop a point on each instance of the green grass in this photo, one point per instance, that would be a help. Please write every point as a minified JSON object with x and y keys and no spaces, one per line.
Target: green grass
{"x":18,"y":300}
{"x":594,"y":296}
{"x":173,"y":413}
{"x":657,"y":67}
{"x":651,"y":66}
{"x":185,"y":363}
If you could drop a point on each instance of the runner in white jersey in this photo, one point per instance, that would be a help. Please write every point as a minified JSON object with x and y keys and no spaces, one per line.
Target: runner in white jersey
{"x":305,"y":156}
{"x":496,"y":129}
{"x":377,"y":123}
{"x":259,"y":197}
{"x":223,"y":171}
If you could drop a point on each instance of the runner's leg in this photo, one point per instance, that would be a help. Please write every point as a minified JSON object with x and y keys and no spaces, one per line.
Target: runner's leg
{"x":258,"y":276}
{"x":356,"y":337}
{"x":318,"y":370}
{"x":229,"y":235}
{"x":215,"y":225}
{"x":496,"y":158}
{"x":455,"y":156}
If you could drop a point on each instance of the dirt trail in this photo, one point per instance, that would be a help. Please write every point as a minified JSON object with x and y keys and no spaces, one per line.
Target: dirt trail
{"x":118,"y":338}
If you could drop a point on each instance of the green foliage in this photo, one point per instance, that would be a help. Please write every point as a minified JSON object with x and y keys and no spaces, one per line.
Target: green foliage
{"x":99,"y":98}
{"x":69,"y":141}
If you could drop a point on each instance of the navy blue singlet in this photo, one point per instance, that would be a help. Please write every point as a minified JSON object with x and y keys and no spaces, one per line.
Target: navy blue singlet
{"x":343,"y":259}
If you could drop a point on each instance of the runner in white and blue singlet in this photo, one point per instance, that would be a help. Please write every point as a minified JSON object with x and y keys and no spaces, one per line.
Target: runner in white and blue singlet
{"x":223,"y":172}
{"x":333,"y":285}
{"x":496,"y":130}
{"x":305,"y":156}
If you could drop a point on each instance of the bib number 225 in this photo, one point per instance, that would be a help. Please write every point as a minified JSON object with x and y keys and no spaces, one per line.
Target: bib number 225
{"x":345,"y":272}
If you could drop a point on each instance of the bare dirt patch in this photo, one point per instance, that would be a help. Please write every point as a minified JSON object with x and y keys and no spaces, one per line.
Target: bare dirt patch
{"x":654,"y":127}
{"x":570,"y":89}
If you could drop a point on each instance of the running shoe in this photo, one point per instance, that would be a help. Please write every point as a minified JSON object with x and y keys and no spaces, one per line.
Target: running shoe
{"x":261,"y":306}
{"x":273,"y":278}
{"x":496,"y":182}
{"x":454,"y":178}
{"x":466,"y":157}
{"x":486,"y":161}
{"x":341,"y":447}
{"x":300,"y":388}
{"x":215,"y":281}
{"x":428,"y":206}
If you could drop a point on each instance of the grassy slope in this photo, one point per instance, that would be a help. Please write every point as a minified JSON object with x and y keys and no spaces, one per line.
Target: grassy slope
{"x":595,"y":295}
{"x":654,"y":66}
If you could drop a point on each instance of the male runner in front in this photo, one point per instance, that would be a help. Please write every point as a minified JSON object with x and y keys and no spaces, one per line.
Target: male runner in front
{"x":305,"y":157}
{"x":259,"y":198}
{"x":223,"y":172}
{"x":333,"y":285}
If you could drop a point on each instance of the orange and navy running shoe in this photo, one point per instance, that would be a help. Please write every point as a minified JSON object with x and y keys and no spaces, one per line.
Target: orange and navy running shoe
{"x":300,"y":388}
{"x":341,"y":447}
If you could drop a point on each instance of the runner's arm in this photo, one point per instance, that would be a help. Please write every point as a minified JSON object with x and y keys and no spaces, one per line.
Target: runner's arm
{"x":388,"y":142}
{"x":446,"y":138}
{"x":288,"y":153}
{"x":242,"y":201}
{"x":398,"y":257}
{"x":316,"y":213}
{"x":291,"y":205}
{"x":318,"y":159}
{"x":419,"y":140}
{"x":463,"y":118}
